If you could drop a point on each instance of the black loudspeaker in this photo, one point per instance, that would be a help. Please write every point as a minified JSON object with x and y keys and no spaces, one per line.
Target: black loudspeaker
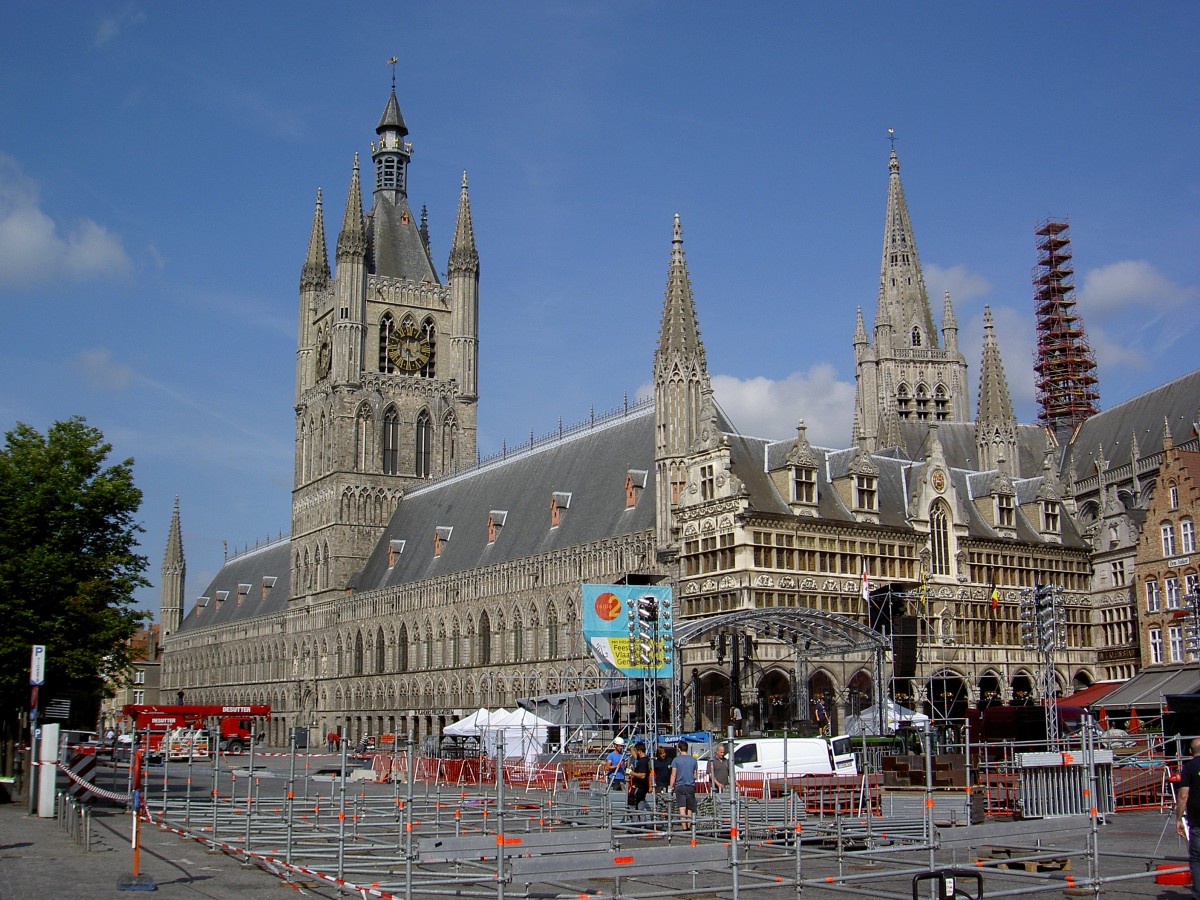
{"x":904,"y":647}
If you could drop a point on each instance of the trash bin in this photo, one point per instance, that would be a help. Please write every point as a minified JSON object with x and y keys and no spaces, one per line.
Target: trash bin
{"x":300,"y":738}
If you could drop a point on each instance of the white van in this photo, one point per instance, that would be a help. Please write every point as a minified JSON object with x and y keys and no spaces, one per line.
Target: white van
{"x":794,"y":756}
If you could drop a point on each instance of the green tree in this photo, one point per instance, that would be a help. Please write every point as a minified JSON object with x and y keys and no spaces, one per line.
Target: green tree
{"x":68,"y":566}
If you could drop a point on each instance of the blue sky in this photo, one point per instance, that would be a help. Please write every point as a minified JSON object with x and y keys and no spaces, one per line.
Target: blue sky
{"x":159,"y":164}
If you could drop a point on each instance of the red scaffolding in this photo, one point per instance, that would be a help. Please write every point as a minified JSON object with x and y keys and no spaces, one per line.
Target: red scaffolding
{"x":1067,"y":391}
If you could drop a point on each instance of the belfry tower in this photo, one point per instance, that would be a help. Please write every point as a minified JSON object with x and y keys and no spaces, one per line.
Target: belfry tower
{"x":386,"y":367}
{"x":906,"y":374}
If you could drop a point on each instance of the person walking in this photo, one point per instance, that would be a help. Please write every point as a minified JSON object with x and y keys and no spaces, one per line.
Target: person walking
{"x":639,"y":781}
{"x":683,"y":783}
{"x":614,"y":765}
{"x":718,"y":770}
{"x":1187,"y":813}
{"x":331,"y":742}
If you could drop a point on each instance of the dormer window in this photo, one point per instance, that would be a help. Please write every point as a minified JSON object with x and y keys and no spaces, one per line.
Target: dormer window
{"x":865,"y":492}
{"x":395,"y":548}
{"x":804,"y":484}
{"x":441,"y":534}
{"x":635,"y":482}
{"x":222,"y":596}
{"x":268,"y":582}
{"x":496,"y":519}
{"x":708,"y":483}
{"x":559,"y":500}
{"x":1050,"y":515}
{"x":243,"y":593}
{"x":1174,"y":497}
{"x":201,"y":603}
{"x":1006,"y":512}
{"x":916,"y":337}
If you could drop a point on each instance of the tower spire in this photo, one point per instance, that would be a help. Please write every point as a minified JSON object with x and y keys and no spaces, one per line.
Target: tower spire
{"x":314,"y":275}
{"x":174,"y":571}
{"x":352,"y":240}
{"x":463,"y":255}
{"x":996,"y":424}
{"x":903,"y":302}
{"x":684,"y":409}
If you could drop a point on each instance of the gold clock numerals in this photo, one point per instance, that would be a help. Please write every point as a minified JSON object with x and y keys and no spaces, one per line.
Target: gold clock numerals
{"x":408,"y":348}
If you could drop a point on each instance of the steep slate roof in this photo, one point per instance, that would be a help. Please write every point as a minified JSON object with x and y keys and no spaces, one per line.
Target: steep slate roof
{"x":1178,"y":402}
{"x":271,"y":561}
{"x":958,"y":444}
{"x":591,"y":465}
{"x":397,"y":249}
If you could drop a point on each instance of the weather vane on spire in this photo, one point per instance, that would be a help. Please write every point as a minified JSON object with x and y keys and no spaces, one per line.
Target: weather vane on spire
{"x":891,"y":131}
{"x":392,"y":62}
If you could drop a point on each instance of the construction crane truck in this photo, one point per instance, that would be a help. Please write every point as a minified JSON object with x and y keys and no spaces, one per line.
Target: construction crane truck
{"x":191,"y":731}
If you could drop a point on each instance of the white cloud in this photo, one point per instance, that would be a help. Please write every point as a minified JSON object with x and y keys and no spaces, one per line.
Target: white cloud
{"x":103,"y":371}
{"x":767,"y":408}
{"x":32,"y":251}
{"x":112,"y":25}
{"x":962,"y":284}
{"x":1115,"y":287}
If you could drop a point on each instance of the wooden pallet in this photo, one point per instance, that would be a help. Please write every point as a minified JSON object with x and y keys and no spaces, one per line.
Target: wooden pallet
{"x":1002,"y":858}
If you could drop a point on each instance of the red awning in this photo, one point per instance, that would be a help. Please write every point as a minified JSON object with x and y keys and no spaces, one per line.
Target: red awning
{"x":1089,"y":695}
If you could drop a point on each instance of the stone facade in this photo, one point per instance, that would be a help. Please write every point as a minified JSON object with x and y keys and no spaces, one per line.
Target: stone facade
{"x":419,"y":584}
{"x":1168,"y":567}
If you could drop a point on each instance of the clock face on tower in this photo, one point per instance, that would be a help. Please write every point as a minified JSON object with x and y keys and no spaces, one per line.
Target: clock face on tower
{"x":408,"y":348}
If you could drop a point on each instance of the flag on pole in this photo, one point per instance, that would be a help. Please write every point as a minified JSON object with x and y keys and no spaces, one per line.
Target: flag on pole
{"x":866,"y":585}
{"x":923,"y":594}
{"x":994,"y":592}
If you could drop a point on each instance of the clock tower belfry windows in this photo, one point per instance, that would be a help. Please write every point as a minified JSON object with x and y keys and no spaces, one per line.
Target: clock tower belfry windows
{"x":424,"y":448}
{"x":391,"y":442}
{"x":387,"y":329}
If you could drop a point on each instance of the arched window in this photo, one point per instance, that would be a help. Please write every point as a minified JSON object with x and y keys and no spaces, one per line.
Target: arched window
{"x":380,"y":653}
{"x":391,"y":442}
{"x":449,"y":443}
{"x":922,"y":402}
{"x":429,"y":331}
{"x":941,"y":403}
{"x":552,"y":634}
{"x":341,"y":657}
{"x":518,"y":639}
{"x":402,"y":649}
{"x":358,"y":654}
{"x":328,"y":567}
{"x":362,"y":439}
{"x":916,"y":337}
{"x":939,"y":538}
{"x":485,"y":640}
{"x":428,"y":647}
{"x":455,"y":644}
{"x":424,"y":444}
{"x":904,"y":401}
{"x":387,"y":327}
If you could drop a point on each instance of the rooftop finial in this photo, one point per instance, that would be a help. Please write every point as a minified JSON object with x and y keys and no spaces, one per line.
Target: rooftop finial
{"x":392,"y":62}
{"x":892,"y":138}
